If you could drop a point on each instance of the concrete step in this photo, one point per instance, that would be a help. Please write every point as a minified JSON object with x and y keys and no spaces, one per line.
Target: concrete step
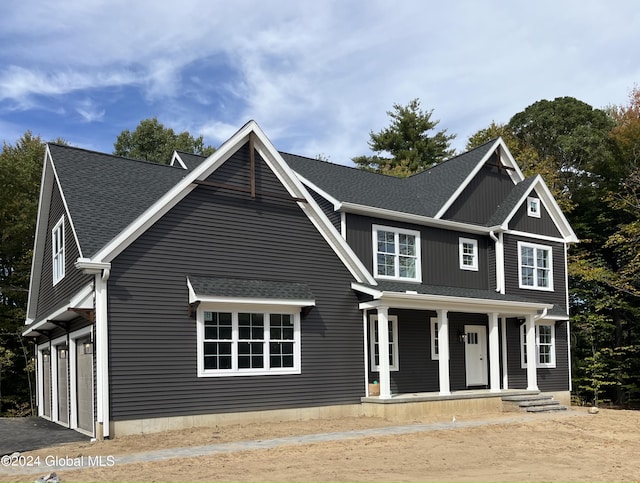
{"x":539,"y":402}
{"x":527,"y":397}
{"x":546,"y":409}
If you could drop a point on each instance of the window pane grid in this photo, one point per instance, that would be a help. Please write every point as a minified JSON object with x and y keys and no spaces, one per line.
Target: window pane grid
{"x":535,"y":267}
{"x":396,"y":254}
{"x":249,"y":341}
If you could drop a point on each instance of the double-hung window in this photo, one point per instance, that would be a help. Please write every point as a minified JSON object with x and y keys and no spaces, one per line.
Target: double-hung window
{"x":545,"y":345}
{"x":535,"y":263}
{"x":468,"y":250}
{"x":396,"y":253}
{"x":374,"y":345}
{"x":57,"y":250}
{"x":248,"y":340}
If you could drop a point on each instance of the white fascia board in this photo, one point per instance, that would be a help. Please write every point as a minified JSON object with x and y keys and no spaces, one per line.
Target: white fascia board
{"x":416,"y":219}
{"x":282,"y":171}
{"x":368,"y":290}
{"x":505,"y":158}
{"x":550,"y":204}
{"x":255,"y":301}
{"x":66,"y":207}
{"x":294,"y":186}
{"x":320,"y":191}
{"x":83,"y":299}
{"x":91,"y":267}
{"x":177,"y":159}
{"x":39,"y":241}
{"x":458,"y":304}
{"x":173,"y":196}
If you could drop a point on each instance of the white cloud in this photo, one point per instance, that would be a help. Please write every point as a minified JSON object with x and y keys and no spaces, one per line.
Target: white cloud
{"x":318,"y":76}
{"x":89,"y":110}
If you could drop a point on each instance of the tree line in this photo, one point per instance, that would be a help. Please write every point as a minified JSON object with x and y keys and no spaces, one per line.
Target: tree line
{"x":589,"y":157}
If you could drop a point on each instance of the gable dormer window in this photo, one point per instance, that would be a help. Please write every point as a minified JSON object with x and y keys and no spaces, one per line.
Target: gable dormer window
{"x":396,"y":253}
{"x":57,"y":250}
{"x":533,"y":207}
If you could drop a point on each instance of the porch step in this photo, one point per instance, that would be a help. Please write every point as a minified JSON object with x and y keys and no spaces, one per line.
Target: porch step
{"x":533,"y":403}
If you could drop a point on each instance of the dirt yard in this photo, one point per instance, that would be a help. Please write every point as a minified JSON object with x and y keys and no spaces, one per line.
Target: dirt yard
{"x":576,"y":447}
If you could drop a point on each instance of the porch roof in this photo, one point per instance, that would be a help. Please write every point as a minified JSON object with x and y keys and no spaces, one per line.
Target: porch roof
{"x":425,"y":297}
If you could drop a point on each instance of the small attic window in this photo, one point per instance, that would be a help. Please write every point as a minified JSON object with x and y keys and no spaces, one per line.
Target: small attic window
{"x":533,"y":207}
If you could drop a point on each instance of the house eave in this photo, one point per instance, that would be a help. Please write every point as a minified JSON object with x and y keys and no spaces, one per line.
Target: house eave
{"x":410,"y":300}
{"x":384,"y":213}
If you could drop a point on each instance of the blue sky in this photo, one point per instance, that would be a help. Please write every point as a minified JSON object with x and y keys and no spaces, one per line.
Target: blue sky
{"x":317,"y":76}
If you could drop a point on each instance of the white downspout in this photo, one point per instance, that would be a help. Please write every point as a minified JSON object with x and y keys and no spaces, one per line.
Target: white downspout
{"x":499,"y":241}
{"x":102,"y":353}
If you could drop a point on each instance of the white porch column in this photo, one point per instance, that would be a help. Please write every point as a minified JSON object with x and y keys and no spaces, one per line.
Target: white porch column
{"x":494,"y":353}
{"x":443,"y":352}
{"x":383,"y":352}
{"x":532,"y":373}
{"x":505,"y":365}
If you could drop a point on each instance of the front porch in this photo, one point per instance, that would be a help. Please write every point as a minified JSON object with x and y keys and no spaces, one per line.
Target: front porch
{"x":433,"y":405}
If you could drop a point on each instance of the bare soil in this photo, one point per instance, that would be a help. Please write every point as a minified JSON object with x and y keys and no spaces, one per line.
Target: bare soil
{"x":577,"y":447}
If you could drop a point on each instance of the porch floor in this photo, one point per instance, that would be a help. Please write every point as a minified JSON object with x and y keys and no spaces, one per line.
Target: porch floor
{"x":436,"y":396}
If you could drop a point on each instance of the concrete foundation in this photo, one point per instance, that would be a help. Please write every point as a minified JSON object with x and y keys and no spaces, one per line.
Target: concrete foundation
{"x":403,"y":407}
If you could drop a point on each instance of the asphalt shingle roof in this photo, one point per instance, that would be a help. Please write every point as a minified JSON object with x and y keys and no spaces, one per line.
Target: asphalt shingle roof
{"x":192,"y":161}
{"x":510,"y":202}
{"x":106,"y":193}
{"x":260,"y":289}
{"x":421,"y":194}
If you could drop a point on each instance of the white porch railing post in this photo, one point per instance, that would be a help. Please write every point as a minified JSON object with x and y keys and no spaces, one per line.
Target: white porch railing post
{"x":443,"y":352}
{"x":383,"y":352}
{"x":532,"y":373}
{"x":494,"y":353}
{"x":505,"y":367}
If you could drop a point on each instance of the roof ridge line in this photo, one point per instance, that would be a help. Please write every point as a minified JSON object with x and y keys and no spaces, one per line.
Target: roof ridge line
{"x":115,"y":156}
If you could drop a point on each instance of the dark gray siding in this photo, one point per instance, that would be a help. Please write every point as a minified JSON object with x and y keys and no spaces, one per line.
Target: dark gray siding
{"x":549,"y":379}
{"x":221,"y":233}
{"x":540,"y":226}
{"x":52,"y":297}
{"x":417,"y":371}
{"x":480,"y":199}
{"x":439,"y":249}
{"x":559,"y":294}
{"x":327,"y":209}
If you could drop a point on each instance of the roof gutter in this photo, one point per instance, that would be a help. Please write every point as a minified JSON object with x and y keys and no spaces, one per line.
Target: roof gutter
{"x":359,"y":209}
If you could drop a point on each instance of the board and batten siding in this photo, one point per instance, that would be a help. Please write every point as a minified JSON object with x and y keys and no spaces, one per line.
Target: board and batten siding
{"x":52,"y":297}
{"x":482,"y":196}
{"x":528,"y":224}
{"x":549,"y":379}
{"x":439,"y":252}
{"x":559,"y":294}
{"x":221,"y":233}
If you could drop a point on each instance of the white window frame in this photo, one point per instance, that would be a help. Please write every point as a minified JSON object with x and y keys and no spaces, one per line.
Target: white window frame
{"x":235,"y":309}
{"x":373,"y":327}
{"x":523,"y":345}
{"x":533,"y":207}
{"x":435,"y":342}
{"x":397,"y":232}
{"x":474,"y":243}
{"x":58,"y":251}
{"x":535,"y":248}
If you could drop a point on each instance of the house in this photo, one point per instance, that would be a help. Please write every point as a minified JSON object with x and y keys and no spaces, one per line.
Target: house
{"x":255,"y":285}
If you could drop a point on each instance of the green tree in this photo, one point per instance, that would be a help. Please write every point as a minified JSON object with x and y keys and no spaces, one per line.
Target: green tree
{"x":152,"y":141}
{"x":409,"y":141}
{"x":20,"y":171}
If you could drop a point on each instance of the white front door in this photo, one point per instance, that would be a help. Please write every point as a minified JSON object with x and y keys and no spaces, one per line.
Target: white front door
{"x":475,"y":355}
